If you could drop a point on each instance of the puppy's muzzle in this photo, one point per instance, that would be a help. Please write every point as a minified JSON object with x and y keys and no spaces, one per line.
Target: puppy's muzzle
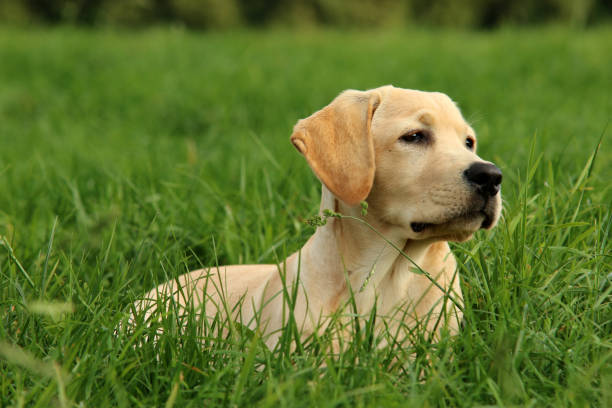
{"x":485,"y":177}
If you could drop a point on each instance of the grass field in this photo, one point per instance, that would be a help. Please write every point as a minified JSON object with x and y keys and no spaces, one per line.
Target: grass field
{"x":128,"y":158}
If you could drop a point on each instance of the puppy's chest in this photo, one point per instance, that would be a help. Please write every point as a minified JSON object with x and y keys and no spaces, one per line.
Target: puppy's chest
{"x":386,"y":288}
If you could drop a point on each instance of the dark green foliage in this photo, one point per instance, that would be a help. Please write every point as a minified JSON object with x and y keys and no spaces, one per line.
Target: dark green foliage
{"x":217,"y":14}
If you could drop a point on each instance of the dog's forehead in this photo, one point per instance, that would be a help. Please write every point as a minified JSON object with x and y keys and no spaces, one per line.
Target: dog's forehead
{"x":430,"y":108}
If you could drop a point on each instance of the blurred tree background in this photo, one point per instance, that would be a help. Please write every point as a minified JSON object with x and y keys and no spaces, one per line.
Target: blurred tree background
{"x":220,"y":14}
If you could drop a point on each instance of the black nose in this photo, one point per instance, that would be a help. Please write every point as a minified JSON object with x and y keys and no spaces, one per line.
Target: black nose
{"x":485,"y":176}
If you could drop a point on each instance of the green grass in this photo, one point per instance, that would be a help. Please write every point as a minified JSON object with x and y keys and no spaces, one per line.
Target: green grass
{"x":128,"y":158}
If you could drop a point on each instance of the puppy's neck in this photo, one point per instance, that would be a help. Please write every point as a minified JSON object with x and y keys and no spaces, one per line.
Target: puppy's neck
{"x":354,"y":251}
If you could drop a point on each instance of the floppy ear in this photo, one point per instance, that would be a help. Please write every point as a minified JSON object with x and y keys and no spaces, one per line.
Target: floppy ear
{"x":337,"y":144}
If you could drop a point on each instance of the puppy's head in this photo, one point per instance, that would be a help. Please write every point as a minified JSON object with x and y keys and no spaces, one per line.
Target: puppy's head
{"x":410,"y":154}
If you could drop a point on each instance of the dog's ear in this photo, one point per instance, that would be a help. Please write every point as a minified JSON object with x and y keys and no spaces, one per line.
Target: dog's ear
{"x":338,"y":146}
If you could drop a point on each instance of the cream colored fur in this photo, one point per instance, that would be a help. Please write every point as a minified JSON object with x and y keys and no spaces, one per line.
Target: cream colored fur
{"x":353,"y":145}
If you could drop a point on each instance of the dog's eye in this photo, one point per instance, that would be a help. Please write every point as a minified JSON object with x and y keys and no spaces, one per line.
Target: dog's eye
{"x":469,"y":142}
{"x":415,"y":136}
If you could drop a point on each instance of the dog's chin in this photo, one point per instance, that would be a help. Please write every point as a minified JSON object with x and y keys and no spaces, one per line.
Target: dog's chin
{"x":459,"y":228}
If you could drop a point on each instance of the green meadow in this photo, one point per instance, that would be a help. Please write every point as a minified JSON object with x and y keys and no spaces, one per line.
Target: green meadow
{"x":130,"y":157}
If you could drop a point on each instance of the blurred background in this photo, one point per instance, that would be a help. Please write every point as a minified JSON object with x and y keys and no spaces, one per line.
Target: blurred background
{"x":220,"y":14}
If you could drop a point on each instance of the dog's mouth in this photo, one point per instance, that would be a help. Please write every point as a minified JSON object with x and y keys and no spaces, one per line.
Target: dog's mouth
{"x":420,"y":226}
{"x":488,"y":220}
{"x":486,"y":223}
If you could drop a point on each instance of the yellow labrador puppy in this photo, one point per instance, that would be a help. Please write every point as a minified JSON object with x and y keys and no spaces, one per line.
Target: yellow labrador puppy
{"x":412,"y":157}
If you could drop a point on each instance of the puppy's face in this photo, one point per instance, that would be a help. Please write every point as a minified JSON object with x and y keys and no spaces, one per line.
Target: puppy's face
{"x":410,"y":154}
{"x":429,"y":182}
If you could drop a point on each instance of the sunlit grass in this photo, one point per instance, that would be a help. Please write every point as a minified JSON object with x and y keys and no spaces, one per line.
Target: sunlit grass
{"x":130,"y":158}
